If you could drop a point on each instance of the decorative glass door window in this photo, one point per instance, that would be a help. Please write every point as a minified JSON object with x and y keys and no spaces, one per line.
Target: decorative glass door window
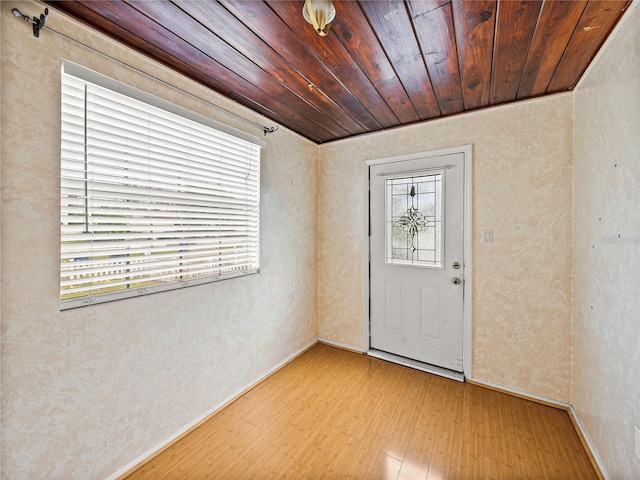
{"x":414,"y":220}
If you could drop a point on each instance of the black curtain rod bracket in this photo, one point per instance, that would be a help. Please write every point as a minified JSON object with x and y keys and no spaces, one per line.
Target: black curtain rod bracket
{"x":270,"y":129}
{"x":38,"y":23}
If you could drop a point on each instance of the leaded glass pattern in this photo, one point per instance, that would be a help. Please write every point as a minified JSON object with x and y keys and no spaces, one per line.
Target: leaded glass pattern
{"x":414,"y":220}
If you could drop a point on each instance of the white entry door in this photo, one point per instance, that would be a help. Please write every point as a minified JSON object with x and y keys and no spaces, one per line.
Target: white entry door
{"x":416,"y":259}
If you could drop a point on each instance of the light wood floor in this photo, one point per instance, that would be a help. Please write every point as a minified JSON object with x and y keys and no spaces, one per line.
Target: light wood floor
{"x":337,"y":414}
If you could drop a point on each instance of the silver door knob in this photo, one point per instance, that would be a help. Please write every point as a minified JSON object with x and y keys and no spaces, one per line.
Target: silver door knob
{"x":456,"y":280}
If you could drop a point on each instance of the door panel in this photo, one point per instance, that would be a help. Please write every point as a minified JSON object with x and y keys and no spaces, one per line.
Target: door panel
{"x":432,"y":321}
{"x":395,"y":311}
{"x":416,"y":225}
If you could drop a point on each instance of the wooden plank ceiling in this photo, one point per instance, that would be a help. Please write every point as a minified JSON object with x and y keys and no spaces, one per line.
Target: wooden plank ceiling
{"x":383,"y":64}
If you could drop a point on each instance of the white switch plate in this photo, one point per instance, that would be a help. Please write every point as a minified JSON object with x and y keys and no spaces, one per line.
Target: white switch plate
{"x":488,"y":236}
{"x":638,"y":442}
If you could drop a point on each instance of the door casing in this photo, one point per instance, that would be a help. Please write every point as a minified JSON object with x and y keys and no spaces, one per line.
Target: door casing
{"x":467,"y":151}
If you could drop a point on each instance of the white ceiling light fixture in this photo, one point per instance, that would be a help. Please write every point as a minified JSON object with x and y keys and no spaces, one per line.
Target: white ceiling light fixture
{"x":320,"y":14}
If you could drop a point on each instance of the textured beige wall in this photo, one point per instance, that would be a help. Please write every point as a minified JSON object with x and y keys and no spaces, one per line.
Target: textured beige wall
{"x":86,"y":391}
{"x":606,"y":259}
{"x":521,"y":190}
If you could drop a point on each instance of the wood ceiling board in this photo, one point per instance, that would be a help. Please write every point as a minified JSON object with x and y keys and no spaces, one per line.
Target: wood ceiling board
{"x":266,"y":87}
{"x":120,"y":21}
{"x":434,"y":27}
{"x":515,"y":25}
{"x":394,"y":30}
{"x":220,"y":22}
{"x":475,"y":24}
{"x":353,"y":31}
{"x":595,"y":25}
{"x":339,"y":62}
{"x":554,"y":29}
{"x":263,"y":21}
{"x":384,"y":63}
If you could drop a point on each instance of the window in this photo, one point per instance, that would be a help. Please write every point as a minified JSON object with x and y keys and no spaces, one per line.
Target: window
{"x":414,"y":220}
{"x":153,"y":197}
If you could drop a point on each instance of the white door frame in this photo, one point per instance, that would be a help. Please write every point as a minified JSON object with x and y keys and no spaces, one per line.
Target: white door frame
{"x":466,"y":150}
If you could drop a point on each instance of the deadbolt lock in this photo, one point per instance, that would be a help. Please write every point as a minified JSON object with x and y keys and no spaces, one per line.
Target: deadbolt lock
{"x":456,"y":280}
{"x":456,"y":265}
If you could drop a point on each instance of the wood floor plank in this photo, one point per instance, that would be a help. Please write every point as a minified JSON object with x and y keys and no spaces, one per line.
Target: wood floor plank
{"x":386,"y":467}
{"x":417,"y":459}
{"x":335,"y":414}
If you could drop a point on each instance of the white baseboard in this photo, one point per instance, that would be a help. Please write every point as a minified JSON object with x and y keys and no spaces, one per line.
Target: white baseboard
{"x":344,"y":346}
{"x":590,"y":447}
{"x":521,"y":393}
{"x":138,"y":461}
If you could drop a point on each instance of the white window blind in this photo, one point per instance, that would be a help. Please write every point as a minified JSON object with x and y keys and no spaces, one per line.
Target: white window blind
{"x":150,"y":200}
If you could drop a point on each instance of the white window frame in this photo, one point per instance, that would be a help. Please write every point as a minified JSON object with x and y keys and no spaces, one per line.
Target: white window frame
{"x":154,"y":197}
